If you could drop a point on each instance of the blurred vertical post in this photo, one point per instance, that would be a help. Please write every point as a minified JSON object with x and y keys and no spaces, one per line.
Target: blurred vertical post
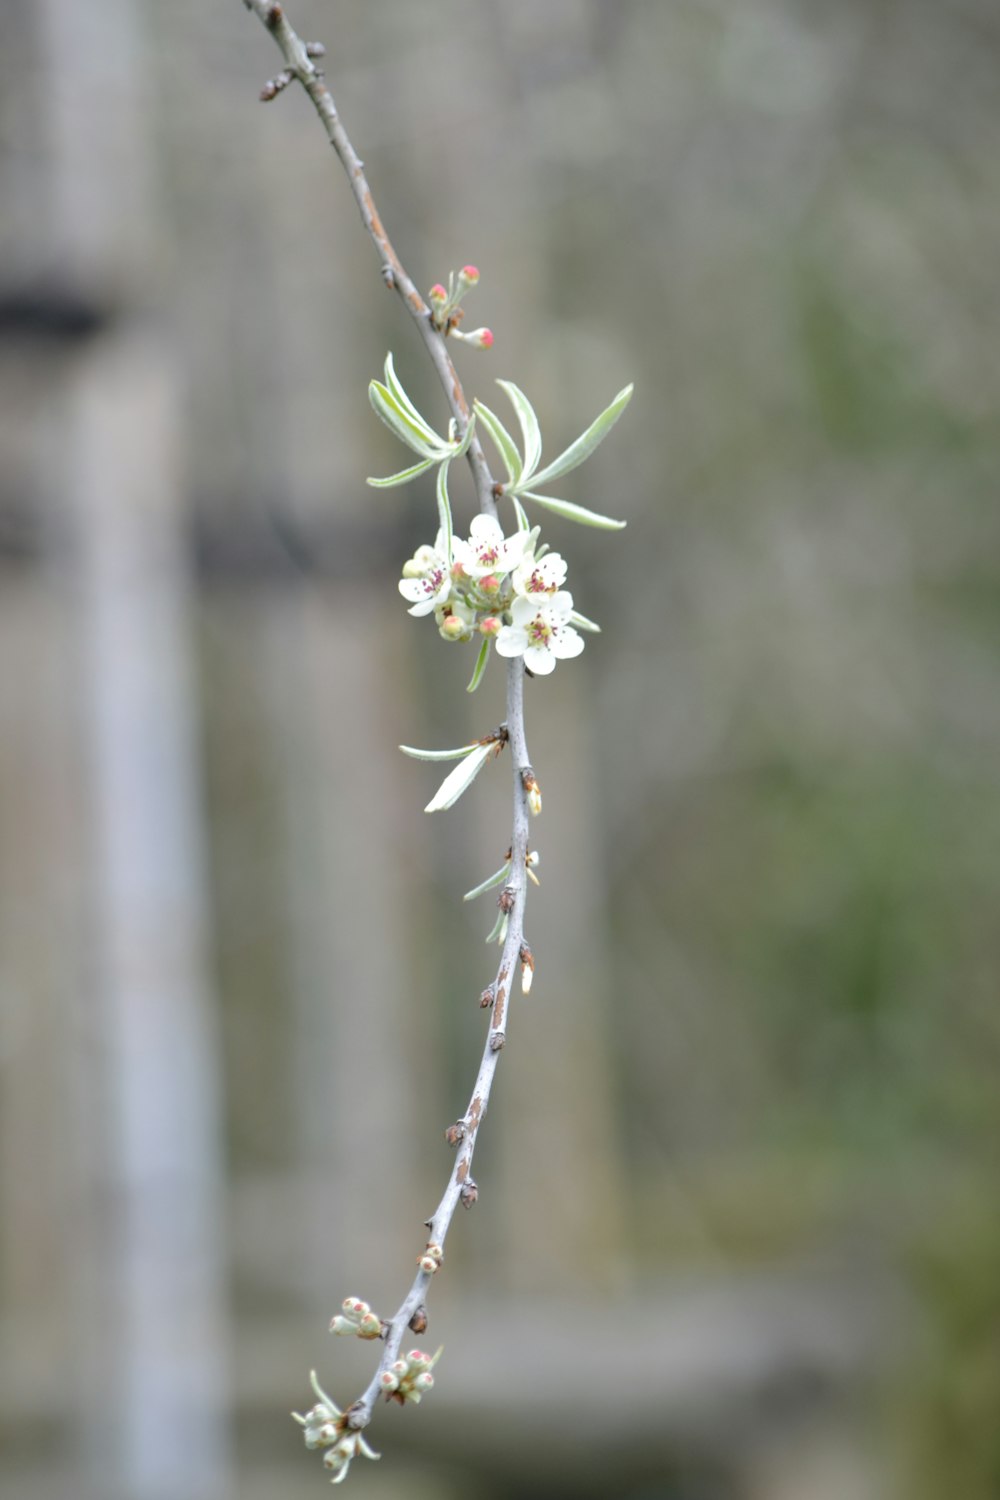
{"x":150,"y":1254}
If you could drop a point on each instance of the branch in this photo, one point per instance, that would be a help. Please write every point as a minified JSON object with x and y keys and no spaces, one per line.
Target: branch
{"x":298,"y":57}
{"x":299,"y":60}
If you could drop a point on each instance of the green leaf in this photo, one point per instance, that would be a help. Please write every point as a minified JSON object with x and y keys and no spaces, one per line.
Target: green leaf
{"x":488,"y":884}
{"x":438,"y":754}
{"x":417,"y":436}
{"x":404,"y":476}
{"x":523,"y":524}
{"x":444,"y":509}
{"x":575,"y":512}
{"x":499,"y":928}
{"x":503,"y":442}
{"x":462,"y":445}
{"x":458,"y":780}
{"x":530,"y":430}
{"x":395,"y":385}
{"x":586,"y":442}
{"x":480,"y":667}
{"x":582,"y":623}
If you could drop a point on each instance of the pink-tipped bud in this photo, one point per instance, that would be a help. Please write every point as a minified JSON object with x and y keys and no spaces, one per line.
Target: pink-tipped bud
{"x":388,"y":1382}
{"x":480,"y":338}
{"x":437,"y":293}
{"x":452,"y":628}
{"x":417,"y":1359}
{"x":490,"y":584}
{"x":370,"y":1326}
{"x":400,"y":1368}
{"x":491,"y":625}
{"x":424,"y":1381}
{"x":469,"y":274}
{"x":428,"y":1264}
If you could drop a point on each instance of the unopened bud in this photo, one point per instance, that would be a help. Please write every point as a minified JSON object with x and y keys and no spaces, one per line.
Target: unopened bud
{"x":437,"y":294}
{"x":428,"y":1264}
{"x":490,"y":625}
{"x":423,"y":1381}
{"x":479,"y":338}
{"x":452,"y":628}
{"x":334,"y":1459}
{"x":496,"y":1041}
{"x":388,"y":1382}
{"x":487,"y":998}
{"x":418,"y":1323}
{"x":370,"y":1326}
{"x":505,"y":900}
{"x":400,"y":1368}
{"x":469,"y":275}
{"x":532,"y":791}
{"x":455,"y":1134}
{"x":469,"y":1194}
{"x":342,"y":1325}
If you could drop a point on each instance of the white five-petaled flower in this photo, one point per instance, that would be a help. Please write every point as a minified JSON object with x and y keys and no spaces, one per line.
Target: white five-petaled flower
{"x":546,"y":576}
{"x":540,"y":632}
{"x":426,"y":579}
{"x":487,"y":552}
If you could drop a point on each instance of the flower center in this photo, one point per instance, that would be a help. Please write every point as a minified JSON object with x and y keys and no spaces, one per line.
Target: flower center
{"x":539,"y":631}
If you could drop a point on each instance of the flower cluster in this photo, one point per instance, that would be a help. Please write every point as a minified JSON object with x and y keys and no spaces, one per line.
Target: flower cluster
{"x":356,"y":1317}
{"x":409,"y":1378}
{"x":506,"y":589}
{"x":325,"y":1427}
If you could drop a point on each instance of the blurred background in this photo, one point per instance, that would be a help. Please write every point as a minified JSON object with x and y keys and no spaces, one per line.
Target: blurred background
{"x":738,"y":1235}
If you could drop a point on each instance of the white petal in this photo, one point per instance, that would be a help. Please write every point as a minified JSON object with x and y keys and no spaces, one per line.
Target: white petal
{"x":485,"y":531}
{"x":511,"y":641}
{"x":540,"y":660}
{"x":565,"y":642}
{"x":560,"y":606}
{"x":522,"y":611}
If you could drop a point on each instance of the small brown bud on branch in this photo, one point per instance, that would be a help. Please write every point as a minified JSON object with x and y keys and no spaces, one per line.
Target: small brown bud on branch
{"x":418,"y":1323}
{"x":274,"y":86}
{"x":469,"y":1194}
{"x":455,"y":1134}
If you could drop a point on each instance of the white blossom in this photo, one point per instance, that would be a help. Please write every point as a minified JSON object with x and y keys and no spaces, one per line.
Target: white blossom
{"x":544,"y":576}
{"x":487,"y":552}
{"x":426,"y":580}
{"x":540,"y":632}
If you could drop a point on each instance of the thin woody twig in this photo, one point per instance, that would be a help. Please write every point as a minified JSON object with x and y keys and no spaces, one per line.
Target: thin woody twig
{"x":460,"y":1188}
